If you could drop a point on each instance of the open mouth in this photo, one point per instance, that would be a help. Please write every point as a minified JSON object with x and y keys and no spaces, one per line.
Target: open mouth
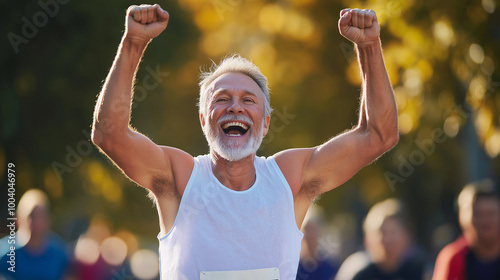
{"x":235,"y":128}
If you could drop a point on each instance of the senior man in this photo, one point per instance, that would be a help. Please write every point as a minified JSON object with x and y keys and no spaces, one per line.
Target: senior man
{"x":230,"y":214}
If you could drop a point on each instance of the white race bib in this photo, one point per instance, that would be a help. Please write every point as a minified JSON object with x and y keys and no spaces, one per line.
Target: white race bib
{"x":253,"y":274}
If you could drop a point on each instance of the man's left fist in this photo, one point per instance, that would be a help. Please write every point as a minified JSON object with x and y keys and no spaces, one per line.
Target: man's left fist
{"x":359,"y":26}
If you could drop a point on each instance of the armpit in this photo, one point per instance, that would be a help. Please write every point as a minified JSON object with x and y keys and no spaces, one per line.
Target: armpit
{"x":163,"y":187}
{"x":310,"y":189}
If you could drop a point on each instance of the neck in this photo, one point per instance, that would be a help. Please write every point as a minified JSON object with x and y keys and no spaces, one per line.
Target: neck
{"x":390,"y":261}
{"x":236,"y":175}
{"x":389,"y":264}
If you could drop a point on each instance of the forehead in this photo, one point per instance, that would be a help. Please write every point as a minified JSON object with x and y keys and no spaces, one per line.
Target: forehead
{"x":391,"y":223}
{"x":235,"y":81}
{"x":487,"y":202}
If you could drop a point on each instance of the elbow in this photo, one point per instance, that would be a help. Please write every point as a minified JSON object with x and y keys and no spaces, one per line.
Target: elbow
{"x":106,"y":135}
{"x":386,"y":139}
{"x":392,"y":140}
{"x":98,"y":137}
{"x":389,"y":137}
{"x":104,"y":130}
{"x":394,"y":134}
{"x":101,"y":140}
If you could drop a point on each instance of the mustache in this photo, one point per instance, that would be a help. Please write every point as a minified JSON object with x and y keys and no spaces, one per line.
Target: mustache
{"x":242,"y":118}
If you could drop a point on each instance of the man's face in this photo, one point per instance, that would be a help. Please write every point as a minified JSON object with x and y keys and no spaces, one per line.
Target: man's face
{"x":395,"y":239}
{"x":235,"y":123}
{"x":38,"y":221}
{"x":389,"y":242}
{"x":486,"y":218}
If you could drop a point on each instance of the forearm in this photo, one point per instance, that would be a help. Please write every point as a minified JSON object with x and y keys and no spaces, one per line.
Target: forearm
{"x":112,"y":111}
{"x":378,"y":112}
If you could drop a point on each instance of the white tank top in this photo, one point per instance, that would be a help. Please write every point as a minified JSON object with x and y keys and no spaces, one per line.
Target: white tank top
{"x":219,"y":229}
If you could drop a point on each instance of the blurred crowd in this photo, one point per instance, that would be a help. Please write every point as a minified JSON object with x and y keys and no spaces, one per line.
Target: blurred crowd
{"x":97,"y":254}
{"x":389,"y":250}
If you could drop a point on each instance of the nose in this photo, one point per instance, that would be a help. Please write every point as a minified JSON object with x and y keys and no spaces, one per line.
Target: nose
{"x":235,"y":107}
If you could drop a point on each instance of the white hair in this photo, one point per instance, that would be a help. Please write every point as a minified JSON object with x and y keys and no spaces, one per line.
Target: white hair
{"x":229,"y":64}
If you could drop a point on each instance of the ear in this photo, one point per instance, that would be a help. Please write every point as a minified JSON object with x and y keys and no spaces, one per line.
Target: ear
{"x":267,"y":121}
{"x":367,"y":242}
{"x":202,"y":120}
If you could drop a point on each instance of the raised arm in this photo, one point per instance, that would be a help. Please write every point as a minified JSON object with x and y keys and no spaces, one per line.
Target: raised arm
{"x":146,"y":163}
{"x":313,"y":171}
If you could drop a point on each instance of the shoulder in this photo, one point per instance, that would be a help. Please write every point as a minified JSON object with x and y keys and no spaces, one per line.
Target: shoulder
{"x":182,"y":164}
{"x":457,"y":248}
{"x":4,"y":245}
{"x":352,"y":265}
{"x":177,"y":155}
{"x":451,"y":259}
{"x":270,"y":172}
{"x":291,"y":163}
{"x":268,"y":163}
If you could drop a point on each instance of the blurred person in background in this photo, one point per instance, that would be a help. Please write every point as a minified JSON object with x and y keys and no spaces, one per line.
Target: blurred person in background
{"x":475,"y":254}
{"x":391,"y":253}
{"x":40,"y":254}
{"x":316,"y":262}
{"x":230,"y":212}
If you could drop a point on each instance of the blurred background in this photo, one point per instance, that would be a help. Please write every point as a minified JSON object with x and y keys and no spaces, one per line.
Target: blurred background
{"x":442,"y":57}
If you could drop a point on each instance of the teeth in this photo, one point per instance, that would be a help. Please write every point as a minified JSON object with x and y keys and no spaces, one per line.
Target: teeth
{"x":245,"y":127}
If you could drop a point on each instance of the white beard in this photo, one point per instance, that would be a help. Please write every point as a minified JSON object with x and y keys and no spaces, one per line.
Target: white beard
{"x":227,"y":150}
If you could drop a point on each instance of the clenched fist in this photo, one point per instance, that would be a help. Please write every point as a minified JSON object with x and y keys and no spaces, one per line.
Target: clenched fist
{"x":359,"y":26}
{"x":145,"y":22}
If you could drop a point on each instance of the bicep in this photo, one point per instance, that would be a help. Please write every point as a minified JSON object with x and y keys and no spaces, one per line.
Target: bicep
{"x":336,"y":161}
{"x":139,"y":158}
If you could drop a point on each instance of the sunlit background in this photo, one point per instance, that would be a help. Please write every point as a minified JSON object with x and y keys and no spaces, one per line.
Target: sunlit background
{"x":442,"y":58}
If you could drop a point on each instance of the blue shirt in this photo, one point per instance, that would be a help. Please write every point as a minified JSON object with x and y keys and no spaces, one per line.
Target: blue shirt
{"x":50,"y":264}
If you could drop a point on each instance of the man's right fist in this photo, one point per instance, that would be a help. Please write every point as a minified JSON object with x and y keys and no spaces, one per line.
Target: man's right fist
{"x":145,"y":22}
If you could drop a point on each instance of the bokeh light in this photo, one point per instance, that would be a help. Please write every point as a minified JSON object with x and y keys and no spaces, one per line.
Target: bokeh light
{"x":114,"y":250}
{"x":144,"y":264}
{"x":87,"y":250}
